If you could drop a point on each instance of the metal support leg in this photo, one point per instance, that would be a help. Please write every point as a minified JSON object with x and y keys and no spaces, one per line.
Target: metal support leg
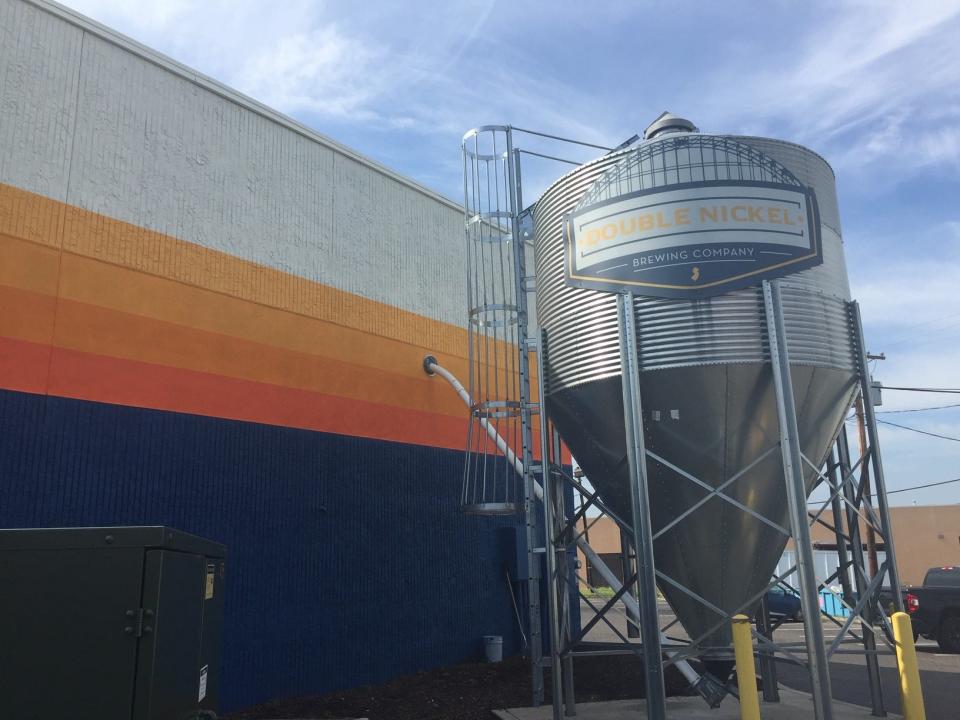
{"x":626,"y":562}
{"x":793,"y":472}
{"x":533,"y":536}
{"x":553,"y":544}
{"x":836,"y":507}
{"x":642,"y":530}
{"x":768,"y":666}
{"x":879,"y":480}
{"x":564,"y":584}
{"x":877,"y":708}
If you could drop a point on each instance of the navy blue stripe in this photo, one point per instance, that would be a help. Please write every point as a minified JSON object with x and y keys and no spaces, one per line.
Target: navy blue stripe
{"x":349,"y":560}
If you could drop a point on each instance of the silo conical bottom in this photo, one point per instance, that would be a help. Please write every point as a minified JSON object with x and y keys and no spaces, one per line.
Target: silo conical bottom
{"x":711,"y":421}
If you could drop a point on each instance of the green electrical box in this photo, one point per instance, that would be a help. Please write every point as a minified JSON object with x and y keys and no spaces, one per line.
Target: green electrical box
{"x":110,"y":623}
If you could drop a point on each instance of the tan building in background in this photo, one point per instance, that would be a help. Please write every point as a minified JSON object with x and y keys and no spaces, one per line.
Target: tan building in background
{"x":926,"y":536}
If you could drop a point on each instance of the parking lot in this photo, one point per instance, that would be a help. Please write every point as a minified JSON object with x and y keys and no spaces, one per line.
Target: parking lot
{"x":939,"y":672}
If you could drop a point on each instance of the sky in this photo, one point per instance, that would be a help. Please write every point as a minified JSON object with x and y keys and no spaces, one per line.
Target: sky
{"x":872,"y":86}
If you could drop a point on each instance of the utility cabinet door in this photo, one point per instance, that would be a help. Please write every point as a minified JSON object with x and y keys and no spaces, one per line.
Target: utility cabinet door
{"x":212,"y":632}
{"x":67,"y":647}
{"x":168,"y":671}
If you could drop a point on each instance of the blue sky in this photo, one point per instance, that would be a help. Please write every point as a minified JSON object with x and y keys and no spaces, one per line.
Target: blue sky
{"x":872,"y":86}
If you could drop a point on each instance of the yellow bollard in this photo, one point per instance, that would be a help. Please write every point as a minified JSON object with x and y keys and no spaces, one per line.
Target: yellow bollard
{"x":746,"y":672}
{"x":911,"y":695}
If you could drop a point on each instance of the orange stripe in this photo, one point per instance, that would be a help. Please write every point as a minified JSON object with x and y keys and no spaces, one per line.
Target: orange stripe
{"x":41,"y":220}
{"x":97,"y":283}
{"x":95,"y":330}
{"x":123,"y":382}
{"x":26,"y":315}
{"x":23,"y":365}
{"x":31,"y":217}
{"x":28,"y":266}
{"x":138,"y":266}
{"x":95,"y":236}
{"x":264,"y":318}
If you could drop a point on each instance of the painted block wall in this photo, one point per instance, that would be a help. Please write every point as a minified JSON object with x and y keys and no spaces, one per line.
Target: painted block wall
{"x":348,"y":559}
{"x":214,"y":318}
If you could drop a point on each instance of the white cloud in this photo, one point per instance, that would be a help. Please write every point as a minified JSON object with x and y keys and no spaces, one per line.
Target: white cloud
{"x":297,"y":56}
{"x":321,"y":71}
{"x":390,"y":67}
{"x":911,"y":308}
{"x":872,"y":83}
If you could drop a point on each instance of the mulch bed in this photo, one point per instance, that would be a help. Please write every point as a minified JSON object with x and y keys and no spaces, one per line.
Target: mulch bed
{"x":466,"y":692}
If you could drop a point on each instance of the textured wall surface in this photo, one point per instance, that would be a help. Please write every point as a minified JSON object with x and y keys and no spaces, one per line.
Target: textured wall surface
{"x":349,"y":560}
{"x":213,"y":318}
{"x":92,"y":124}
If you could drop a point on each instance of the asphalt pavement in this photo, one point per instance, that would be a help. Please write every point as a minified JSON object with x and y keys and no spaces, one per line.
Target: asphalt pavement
{"x":939,"y":672}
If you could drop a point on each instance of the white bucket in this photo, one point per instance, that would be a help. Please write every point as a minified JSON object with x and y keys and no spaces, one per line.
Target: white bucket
{"x":493,"y":647}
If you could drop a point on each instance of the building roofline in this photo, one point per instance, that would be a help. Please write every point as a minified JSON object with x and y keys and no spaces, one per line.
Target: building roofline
{"x":227,"y":93}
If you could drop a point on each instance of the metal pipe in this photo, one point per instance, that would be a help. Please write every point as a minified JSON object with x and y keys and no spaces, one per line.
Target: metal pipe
{"x":432,"y":367}
{"x":561,"y":139}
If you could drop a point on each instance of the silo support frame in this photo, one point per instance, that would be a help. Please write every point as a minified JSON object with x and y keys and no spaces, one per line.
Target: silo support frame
{"x":850,"y":502}
{"x":866,"y":393}
{"x":678,"y":653}
{"x":859,"y":573}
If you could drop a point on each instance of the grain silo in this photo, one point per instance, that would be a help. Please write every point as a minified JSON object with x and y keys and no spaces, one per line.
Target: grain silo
{"x":705,"y":369}
{"x":708,"y":270}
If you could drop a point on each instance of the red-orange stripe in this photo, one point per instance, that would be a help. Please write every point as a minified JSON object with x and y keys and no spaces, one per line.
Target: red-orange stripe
{"x":23,"y":365}
{"x":85,"y":376}
{"x":126,"y":382}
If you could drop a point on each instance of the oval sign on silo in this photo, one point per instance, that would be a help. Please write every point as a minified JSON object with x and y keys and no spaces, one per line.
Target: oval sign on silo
{"x":693,"y":239}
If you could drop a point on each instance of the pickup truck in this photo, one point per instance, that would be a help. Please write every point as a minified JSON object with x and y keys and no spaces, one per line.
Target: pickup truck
{"x":934,"y":607}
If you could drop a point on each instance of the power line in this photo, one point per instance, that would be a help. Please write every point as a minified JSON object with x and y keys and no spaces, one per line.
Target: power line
{"x":955,"y":391}
{"x":911,"y":338}
{"x":908,"y":489}
{"x":935,"y":407}
{"x":922,"y":432}
{"x":920,"y":487}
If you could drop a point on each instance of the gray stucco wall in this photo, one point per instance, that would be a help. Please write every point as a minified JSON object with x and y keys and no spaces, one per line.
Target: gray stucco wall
{"x":90,"y":118}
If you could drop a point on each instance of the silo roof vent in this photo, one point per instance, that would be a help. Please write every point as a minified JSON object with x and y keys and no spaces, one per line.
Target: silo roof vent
{"x":668,"y":123}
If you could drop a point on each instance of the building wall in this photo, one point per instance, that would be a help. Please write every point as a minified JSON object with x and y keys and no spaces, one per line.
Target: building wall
{"x":214,"y":318}
{"x":925,"y":537}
